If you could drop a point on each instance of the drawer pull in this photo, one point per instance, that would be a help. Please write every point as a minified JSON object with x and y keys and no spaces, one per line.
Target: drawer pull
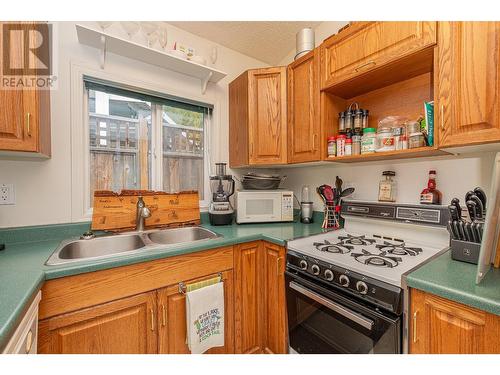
{"x":415,"y":327}
{"x":164,"y":315}
{"x":442,"y":116}
{"x":368,"y":63}
{"x":152,"y":320}
{"x":29,"y":341}
{"x":28,"y":125}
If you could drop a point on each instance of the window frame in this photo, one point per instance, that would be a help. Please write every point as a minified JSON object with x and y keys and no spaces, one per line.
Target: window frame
{"x":80,"y":145}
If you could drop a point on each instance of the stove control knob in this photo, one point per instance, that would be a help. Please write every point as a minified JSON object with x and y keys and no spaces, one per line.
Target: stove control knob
{"x":303,"y":264}
{"x":344,"y":280}
{"x":362,"y":287}
{"x":329,"y":275}
{"x":315,"y":269}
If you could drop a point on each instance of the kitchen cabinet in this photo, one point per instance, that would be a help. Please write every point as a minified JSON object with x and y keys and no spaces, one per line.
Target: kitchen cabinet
{"x":367,"y":46}
{"x":441,"y":326}
{"x":303,"y":109}
{"x":125,"y":326}
{"x":25,"y":116}
{"x":260,"y":322}
{"x":467,"y":108}
{"x":172,"y":318}
{"x":257,"y":118}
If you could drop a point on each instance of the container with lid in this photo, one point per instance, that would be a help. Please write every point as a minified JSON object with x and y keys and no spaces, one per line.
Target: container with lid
{"x":358,"y":119}
{"x":349,"y":120}
{"x":341,"y":139}
{"x":356,"y":143}
{"x":369,"y":140}
{"x":387,"y":187}
{"x":331,"y":146}
{"x":416,"y":140}
{"x":365,"y":118}
{"x":385,"y":140}
{"x":348,"y":147}
{"x":341,"y":122}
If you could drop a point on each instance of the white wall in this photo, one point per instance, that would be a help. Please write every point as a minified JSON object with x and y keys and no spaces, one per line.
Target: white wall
{"x":43,"y":188}
{"x":455,"y":175}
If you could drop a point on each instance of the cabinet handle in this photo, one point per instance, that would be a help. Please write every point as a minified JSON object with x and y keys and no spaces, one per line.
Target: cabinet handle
{"x":164,"y":315}
{"x":314,"y":141}
{"x":442,"y":116}
{"x":152,"y":320}
{"x":28,"y":126}
{"x":278,"y":261}
{"x":251,"y":149}
{"x":415,"y":326}
{"x":371,"y":62}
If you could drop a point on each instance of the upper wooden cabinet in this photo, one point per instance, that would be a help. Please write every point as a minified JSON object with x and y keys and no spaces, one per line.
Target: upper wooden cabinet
{"x":257,"y":118}
{"x":25,"y":115}
{"x":304,"y":127}
{"x":366,"y":46}
{"x":468,"y":83}
{"x":441,"y":326}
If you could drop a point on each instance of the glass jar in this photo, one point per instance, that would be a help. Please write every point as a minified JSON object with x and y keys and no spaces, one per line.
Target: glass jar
{"x":349,"y":120}
{"x":368,"y":142}
{"x":341,"y":138}
{"x":385,"y":140}
{"x":358,"y":120}
{"x":356,"y":143}
{"x":398,"y":133}
{"x":341,"y":122}
{"x":387,"y":187}
{"x":412,"y":127}
{"x":348,"y":147}
{"x":365,"y":118}
{"x":416,"y":140}
{"x":331,"y":146}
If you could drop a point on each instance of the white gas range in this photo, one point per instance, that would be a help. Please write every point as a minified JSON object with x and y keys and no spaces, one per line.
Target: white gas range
{"x":353,"y":278}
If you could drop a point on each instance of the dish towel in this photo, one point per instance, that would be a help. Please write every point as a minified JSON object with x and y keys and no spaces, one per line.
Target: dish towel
{"x":205,"y":318}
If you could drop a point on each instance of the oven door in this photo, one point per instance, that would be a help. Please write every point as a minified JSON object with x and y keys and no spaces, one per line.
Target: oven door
{"x":323,"y":321}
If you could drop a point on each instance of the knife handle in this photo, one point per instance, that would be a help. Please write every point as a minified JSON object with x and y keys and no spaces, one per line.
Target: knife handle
{"x":456,"y":202}
{"x":481,"y":195}
{"x":471,"y":206}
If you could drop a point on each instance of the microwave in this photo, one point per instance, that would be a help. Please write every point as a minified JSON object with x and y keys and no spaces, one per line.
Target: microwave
{"x":264,"y":206}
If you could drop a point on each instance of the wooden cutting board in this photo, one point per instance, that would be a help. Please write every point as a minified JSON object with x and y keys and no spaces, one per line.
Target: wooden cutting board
{"x":117,"y":211}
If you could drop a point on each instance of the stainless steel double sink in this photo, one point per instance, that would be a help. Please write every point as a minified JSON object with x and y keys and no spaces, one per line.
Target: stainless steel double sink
{"x":106,"y":246}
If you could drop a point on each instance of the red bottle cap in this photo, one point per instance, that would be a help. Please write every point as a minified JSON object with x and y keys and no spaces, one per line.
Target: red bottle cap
{"x":330,"y":138}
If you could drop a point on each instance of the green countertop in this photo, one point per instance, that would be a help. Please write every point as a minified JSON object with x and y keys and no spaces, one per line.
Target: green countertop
{"x":456,"y":281}
{"x":23,"y":269}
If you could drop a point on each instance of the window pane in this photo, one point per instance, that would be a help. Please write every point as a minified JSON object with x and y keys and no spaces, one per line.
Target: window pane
{"x":120,"y":142}
{"x":183,"y":148}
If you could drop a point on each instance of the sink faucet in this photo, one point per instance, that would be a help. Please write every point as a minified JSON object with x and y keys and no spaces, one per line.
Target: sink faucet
{"x":142,"y":213}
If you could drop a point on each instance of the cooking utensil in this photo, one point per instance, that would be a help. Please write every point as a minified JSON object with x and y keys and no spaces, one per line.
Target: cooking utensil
{"x":468,"y":232}
{"x":451,"y":230}
{"x":454,"y":213}
{"x":479,"y":206}
{"x":472,"y":232}
{"x":472,"y":207}
{"x":456,"y":202}
{"x":457,"y":230}
{"x":461,"y":228}
{"x":469,"y":194}
{"x":338,"y":183}
{"x":347,"y":192}
{"x":481,"y":195}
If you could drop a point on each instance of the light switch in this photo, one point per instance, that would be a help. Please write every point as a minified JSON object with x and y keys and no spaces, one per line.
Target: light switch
{"x":7,"y":194}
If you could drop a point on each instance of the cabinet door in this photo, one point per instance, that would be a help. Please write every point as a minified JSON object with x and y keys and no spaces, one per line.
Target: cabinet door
{"x":248,"y":298}
{"x":365,"y":46}
{"x":274,"y":300}
{"x":303,"y":109}
{"x":440,"y":326}
{"x":267,"y":116}
{"x":126,"y":326}
{"x":467,"y":108}
{"x":172,"y":318}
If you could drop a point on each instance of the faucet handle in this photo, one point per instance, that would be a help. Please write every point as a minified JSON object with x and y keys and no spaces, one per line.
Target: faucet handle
{"x":145,"y":212}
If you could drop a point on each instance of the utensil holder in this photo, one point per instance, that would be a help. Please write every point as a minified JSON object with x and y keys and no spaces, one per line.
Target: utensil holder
{"x":465,"y":251}
{"x":332,"y":219}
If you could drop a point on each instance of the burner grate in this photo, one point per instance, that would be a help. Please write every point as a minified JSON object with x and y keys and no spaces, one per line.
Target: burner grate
{"x":356,"y":240}
{"x":336,"y":248}
{"x":379,"y":260}
{"x":399,"y":249}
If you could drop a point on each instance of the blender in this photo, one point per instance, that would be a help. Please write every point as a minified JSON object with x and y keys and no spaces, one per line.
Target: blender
{"x":220,"y":211}
{"x":306,"y":206}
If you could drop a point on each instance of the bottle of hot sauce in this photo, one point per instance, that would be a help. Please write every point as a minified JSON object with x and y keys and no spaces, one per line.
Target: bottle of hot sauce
{"x":431,"y":195}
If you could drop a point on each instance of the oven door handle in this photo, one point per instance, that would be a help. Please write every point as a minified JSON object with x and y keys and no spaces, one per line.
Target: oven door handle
{"x":351,"y":315}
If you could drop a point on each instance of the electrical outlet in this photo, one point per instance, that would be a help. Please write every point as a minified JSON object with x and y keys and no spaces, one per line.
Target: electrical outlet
{"x":7,"y":194}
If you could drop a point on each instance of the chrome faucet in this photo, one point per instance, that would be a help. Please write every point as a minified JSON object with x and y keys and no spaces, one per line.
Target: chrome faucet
{"x":142,"y":213}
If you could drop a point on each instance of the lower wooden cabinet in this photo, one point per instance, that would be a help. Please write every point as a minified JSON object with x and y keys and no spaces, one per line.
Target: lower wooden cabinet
{"x":126,"y":326}
{"x":172,"y":318}
{"x":441,"y":326}
{"x":260,"y":315}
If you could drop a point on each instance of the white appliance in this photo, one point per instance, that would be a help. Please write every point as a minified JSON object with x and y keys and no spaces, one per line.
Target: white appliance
{"x":264,"y":206}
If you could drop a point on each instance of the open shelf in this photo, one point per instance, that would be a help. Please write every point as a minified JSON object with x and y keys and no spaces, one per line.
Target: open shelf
{"x":389,"y":155}
{"x":109,"y":43}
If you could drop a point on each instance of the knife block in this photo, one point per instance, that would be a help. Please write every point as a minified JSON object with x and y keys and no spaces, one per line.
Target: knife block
{"x":465,"y":251}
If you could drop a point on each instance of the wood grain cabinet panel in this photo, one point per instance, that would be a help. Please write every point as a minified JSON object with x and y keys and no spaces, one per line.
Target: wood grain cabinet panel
{"x":126,"y":326}
{"x":366,"y":46}
{"x":468,"y":83}
{"x":441,"y":326}
{"x":257,"y":118}
{"x":172,"y":318}
{"x":303,"y":109}
{"x":25,"y":114}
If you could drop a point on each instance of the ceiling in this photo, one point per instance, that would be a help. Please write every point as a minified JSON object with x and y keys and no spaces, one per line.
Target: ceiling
{"x":267,"y":41}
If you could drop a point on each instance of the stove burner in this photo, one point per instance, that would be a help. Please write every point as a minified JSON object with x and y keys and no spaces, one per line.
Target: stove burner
{"x":399,"y":249}
{"x":356,"y":240}
{"x":337,"y":248}
{"x":378,"y":260}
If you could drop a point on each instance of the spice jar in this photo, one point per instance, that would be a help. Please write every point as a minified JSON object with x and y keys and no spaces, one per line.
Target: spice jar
{"x":341,"y":138}
{"x":331,"y":146}
{"x":385,"y":140}
{"x":398,"y":133}
{"x":341,"y":122}
{"x":368,"y":142}
{"x":358,"y":120}
{"x":412,"y":127}
{"x":416,"y":140}
{"x":365,"y":118}
{"x":387,"y":187}
{"x":349,"y":120}
{"x":348,"y":147}
{"x":356,"y":143}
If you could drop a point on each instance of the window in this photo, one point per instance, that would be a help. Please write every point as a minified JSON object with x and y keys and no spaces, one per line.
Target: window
{"x":124,"y":128}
